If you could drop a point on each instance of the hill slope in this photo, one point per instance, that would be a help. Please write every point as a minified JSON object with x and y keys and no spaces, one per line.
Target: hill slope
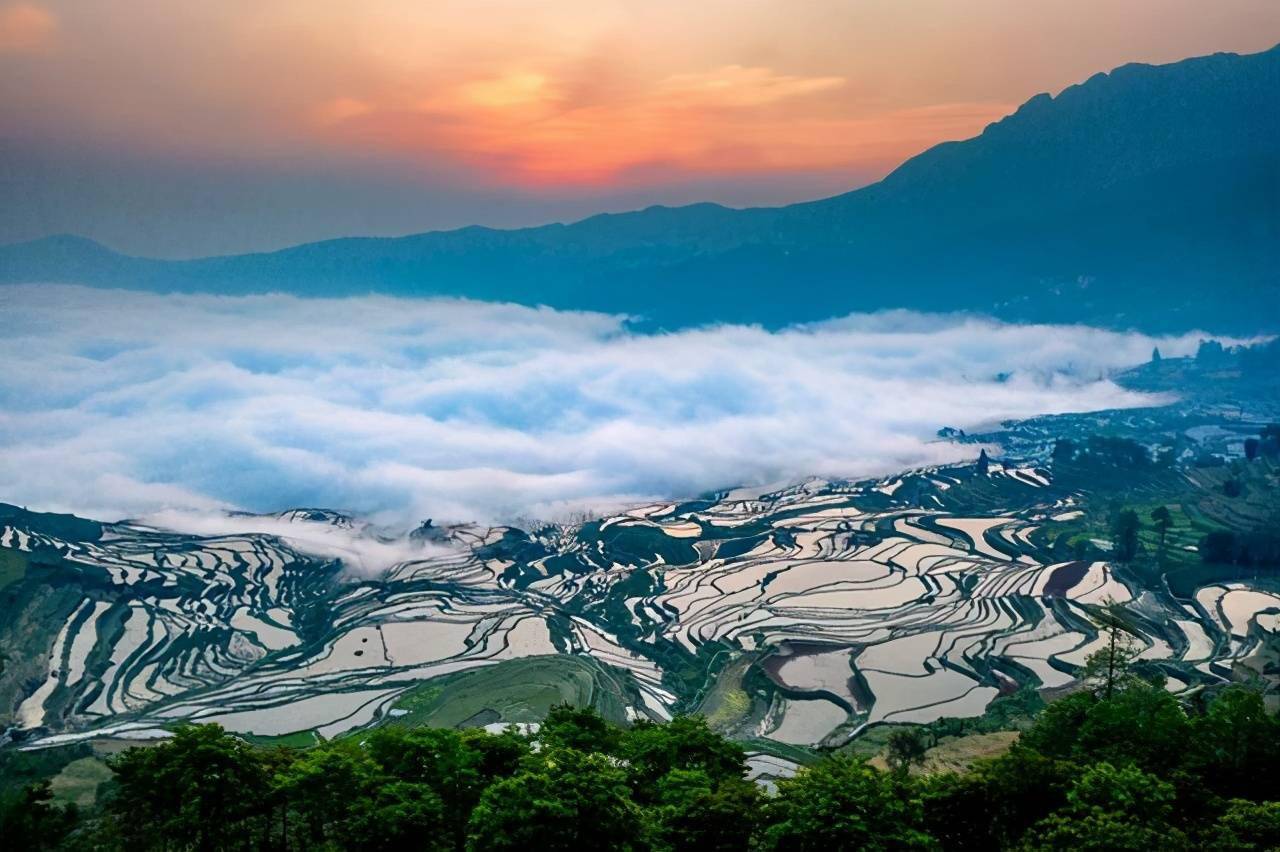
{"x":1149,"y":196}
{"x":793,"y":617}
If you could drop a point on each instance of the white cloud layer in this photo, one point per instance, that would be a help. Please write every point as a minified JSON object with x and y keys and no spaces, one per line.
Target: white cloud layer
{"x":117,"y":403}
{"x":359,"y":547}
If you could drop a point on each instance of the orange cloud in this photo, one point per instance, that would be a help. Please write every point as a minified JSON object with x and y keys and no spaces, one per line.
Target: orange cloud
{"x":26,"y":28}
{"x":579,"y":93}
{"x":337,"y":110}
{"x":511,"y":90}
{"x":736,"y":86}
{"x":527,"y":128}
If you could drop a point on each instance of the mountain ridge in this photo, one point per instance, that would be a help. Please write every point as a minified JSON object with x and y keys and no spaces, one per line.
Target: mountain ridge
{"x":1148,"y":182}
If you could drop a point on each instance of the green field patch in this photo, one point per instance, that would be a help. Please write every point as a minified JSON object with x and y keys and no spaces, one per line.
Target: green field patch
{"x":641,"y":545}
{"x":65,"y":527}
{"x":79,"y":781}
{"x":957,"y":754}
{"x":297,"y":739}
{"x":13,"y":567}
{"x":521,"y":690}
{"x":871,"y":741}
{"x":727,"y":704}
{"x":794,"y":753}
{"x":20,"y":768}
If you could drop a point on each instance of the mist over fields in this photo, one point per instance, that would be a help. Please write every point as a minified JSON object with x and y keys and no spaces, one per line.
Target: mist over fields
{"x":118,"y":403}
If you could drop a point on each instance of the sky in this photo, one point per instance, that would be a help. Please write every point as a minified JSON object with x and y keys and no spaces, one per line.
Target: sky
{"x":179,"y":128}
{"x":124,"y":404}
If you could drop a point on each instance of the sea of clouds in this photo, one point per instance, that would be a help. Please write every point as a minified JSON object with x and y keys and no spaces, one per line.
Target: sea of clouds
{"x":124,"y":404}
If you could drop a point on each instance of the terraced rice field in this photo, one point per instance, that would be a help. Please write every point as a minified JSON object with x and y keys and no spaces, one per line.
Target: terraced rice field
{"x":799,"y":616}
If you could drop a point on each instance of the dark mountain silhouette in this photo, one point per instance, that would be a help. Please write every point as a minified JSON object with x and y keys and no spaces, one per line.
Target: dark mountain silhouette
{"x":1148,"y":197}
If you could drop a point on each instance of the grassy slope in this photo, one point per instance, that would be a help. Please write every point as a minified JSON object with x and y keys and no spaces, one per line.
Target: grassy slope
{"x":31,"y":614}
{"x":520,"y":690}
{"x":13,"y":567}
{"x":298,"y":739}
{"x":727,"y":703}
{"x":79,"y":780}
{"x":957,"y":754}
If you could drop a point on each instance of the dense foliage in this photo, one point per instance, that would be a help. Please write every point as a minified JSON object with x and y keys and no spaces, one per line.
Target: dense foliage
{"x":1136,"y":770}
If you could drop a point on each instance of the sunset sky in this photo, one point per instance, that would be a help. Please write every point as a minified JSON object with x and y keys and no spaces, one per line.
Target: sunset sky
{"x":179,"y":128}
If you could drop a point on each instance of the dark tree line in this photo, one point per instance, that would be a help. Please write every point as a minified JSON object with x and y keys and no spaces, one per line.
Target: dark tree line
{"x":1103,"y":451}
{"x":1266,"y":445}
{"x":1246,"y":549}
{"x":1136,"y":770}
{"x":1125,"y":526}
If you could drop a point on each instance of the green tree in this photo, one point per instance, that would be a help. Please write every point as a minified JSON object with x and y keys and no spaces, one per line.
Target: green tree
{"x":906,"y":748}
{"x":1220,"y":546}
{"x":1236,"y":746}
{"x":686,"y":742}
{"x":323,"y":789}
{"x":496,"y":755}
{"x":1246,"y":826}
{"x":842,"y":803}
{"x":1142,"y":724}
{"x":30,"y":821}
{"x":397,"y":815}
{"x":1110,"y":808}
{"x":1125,"y":527}
{"x":1064,"y":451}
{"x":694,"y":813}
{"x":1025,"y":786}
{"x":437,"y":757}
{"x":563,"y":799}
{"x":1056,"y":731}
{"x":1109,"y":668}
{"x":580,"y":728}
{"x":276,"y":763}
{"x":950,"y":800}
{"x":203,"y":789}
{"x":1162,"y":520}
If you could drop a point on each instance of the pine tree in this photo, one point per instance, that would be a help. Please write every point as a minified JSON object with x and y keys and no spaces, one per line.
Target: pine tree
{"x":1108,"y":667}
{"x":1163,"y":521}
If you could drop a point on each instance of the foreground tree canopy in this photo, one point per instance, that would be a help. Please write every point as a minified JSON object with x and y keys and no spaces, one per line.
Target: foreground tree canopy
{"x":1135,"y":770}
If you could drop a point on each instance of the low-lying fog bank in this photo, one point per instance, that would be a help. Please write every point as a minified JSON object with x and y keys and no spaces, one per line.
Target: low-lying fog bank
{"x":119,"y":403}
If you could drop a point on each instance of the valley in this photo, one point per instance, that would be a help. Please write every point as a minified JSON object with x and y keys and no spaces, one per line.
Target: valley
{"x":796,"y":618}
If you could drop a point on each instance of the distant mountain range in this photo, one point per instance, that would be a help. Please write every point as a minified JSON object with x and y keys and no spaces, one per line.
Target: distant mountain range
{"x":1146,"y":197}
